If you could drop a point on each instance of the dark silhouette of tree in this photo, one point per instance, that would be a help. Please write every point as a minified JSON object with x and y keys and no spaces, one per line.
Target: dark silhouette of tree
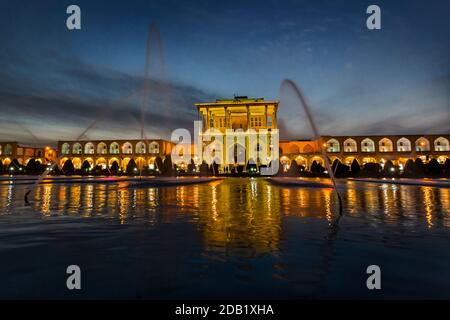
{"x":408,"y":170}
{"x":30,"y":168}
{"x":339,"y":169}
{"x":167,"y":166}
{"x":204,"y":168}
{"x":85,"y":167}
{"x":68,"y":167}
{"x":387,"y":169}
{"x":159,"y":164}
{"x":214,"y":168}
{"x":447,"y":167}
{"x":317,"y":168}
{"x":1,"y":167}
{"x":419,"y":168}
{"x":355,"y":168}
{"x":132,"y":168}
{"x":433,"y":167}
{"x":293,"y":169}
{"x":114,"y":168}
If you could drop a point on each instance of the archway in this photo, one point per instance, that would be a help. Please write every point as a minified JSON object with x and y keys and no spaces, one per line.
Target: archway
{"x":422,"y":144}
{"x":385,"y":145}
{"x":403,"y":145}
{"x":367,"y":145}
{"x":441,"y":144}
{"x":350,"y":145}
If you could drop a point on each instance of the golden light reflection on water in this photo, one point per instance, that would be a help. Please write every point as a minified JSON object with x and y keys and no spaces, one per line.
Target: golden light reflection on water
{"x":244,"y":216}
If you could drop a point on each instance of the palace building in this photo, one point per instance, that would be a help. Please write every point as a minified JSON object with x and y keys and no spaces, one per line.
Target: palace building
{"x":249,"y":122}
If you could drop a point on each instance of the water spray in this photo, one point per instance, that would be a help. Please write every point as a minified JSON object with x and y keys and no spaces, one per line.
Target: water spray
{"x":317,"y":137}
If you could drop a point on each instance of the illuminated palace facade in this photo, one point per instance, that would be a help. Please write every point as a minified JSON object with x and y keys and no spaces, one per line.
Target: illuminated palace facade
{"x":13,"y":150}
{"x":249,"y":122}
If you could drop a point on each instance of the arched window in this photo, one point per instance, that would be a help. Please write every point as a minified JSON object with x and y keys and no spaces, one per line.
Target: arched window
{"x":89,"y":148}
{"x":127,"y":148}
{"x":333,"y":145}
{"x":76,"y":149}
{"x":0,"y":149}
{"x":140,"y":147}
{"x":350,"y":145}
{"x":367,"y":145}
{"x":8,"y":149}
{"x":154,"y":147}
{"x":294,"y":149}
{"x":441,"y":144}
{"x":385,"y":145}
{"x":101,"y":148}
{"x":65,"y":148}
{"x":403,"y":145}
{"x":114,"y":148}
{"x":422,"y":144}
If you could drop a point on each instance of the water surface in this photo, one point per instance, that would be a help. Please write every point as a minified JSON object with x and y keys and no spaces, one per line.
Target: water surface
{"x":239,"y":238}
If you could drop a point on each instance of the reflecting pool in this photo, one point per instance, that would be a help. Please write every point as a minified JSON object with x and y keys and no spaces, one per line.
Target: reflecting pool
{"x":235,"y":238}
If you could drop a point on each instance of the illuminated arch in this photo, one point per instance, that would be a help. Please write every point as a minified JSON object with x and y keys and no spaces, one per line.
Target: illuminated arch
{"x":140,"y":163}
{"x":308,"y":149}
{"x":76,"y":148}
{"x":350,"y":145}
{"x":6,"y":162}
{"x":65,"y":148}
{"x":111,"y":161}
{"x":333,"y":145}
{"x":89,"y":148}
{"x":62,"y":161}
{"x":285,"y":163}
{"x":90,"y":160}
{"x":114,"y":148}
{"x":301,"y":161}
{"x":102,"y":148}
{"x":101,"y":162}
{"x":422,"y":144}
{"x":403,"y":145}
{"x":442,"y":159}
{"x":367,"y":145}
{"x":385,"y":145}
{"x":348,"y":161}
{"x":369,"y":160}
{"x":317,"y":159}
{"x":441,"y":144}
{"x":1,"y":149}
{"x":8,"y":150}
{"x":125,"y":163}
{"x":153,"y":147}
{"x":76,"y":162}
{"x":140,"y":148}
{"x":294,"y":149}
{"x":127,"y":148}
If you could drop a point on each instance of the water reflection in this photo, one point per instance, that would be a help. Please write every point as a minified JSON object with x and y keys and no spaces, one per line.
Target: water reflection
{"x":239,"y":217}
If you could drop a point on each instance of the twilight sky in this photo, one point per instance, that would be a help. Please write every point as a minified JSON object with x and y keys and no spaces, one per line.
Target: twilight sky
{"x":55,"y":83}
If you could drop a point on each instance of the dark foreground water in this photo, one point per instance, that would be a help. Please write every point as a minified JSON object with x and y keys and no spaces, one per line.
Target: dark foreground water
{"x":239,"y":238}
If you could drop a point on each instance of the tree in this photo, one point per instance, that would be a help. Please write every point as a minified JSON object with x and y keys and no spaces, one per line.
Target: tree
{"x":159,"y":164}
{"x":114,"y":168}
{"x":31,"y":167}
{"x":204,"y":169}
{"x":293,"y":169}
{"x":317,"y":168}
{"x":132,"y":168}
{"x":214,"y":168}
{"x":419,"y":167}
{"x":433,"y":167}
{"x":355,"y":168}
{"x":387,"y":169}
{"x":85,"y":167}
{"x":1,"y":167}
{"x":191,"y":167}
{"x":408,"y":171}
{"x":68,"y":167}
{"x":167,"y":166}
{"x":447,"y":167}
{"x":339,"y":169}
{"x":371,"y":169}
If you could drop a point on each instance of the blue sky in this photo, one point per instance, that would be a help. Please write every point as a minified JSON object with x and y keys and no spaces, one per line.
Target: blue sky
{"x":54,"y":83}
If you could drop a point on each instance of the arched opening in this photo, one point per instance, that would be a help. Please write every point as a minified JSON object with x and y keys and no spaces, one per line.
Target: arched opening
{"x":125,"y":163}
{"x":403,"y":145}
{"x":8,"y":150}
{"x":101,"y":148}
{"x":140,"y":163}
{"x":367,"y":145}
{"x":62,"y":161}
{"x":90,"y":161}
{"x":127,"y":148}
{"x":441,"y":144}
{"x":422,"y":144}
{"x":385,"y":145}
{"x":333,"y":145}
{"x":301,"y":161}
{"x":114,"y":148}
{"x":154,"y":147}
{"x":285,"y":163}
{"x":308,"y":149}
{"x":350,"y":145}
{"x":140,"y":147}
{"x":442,"y":159}
{"x":348,"y":161}
{"x":65,"y":148}
{"x":77,"y":149}
{"x":76,"y":163}
{"x":6,"y":162}
{"x":369,"y":160}
{"x":89,"y":148}
{"x":101,"y":162}
{"x":294,"y":149}
{"x":112,"y":160}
